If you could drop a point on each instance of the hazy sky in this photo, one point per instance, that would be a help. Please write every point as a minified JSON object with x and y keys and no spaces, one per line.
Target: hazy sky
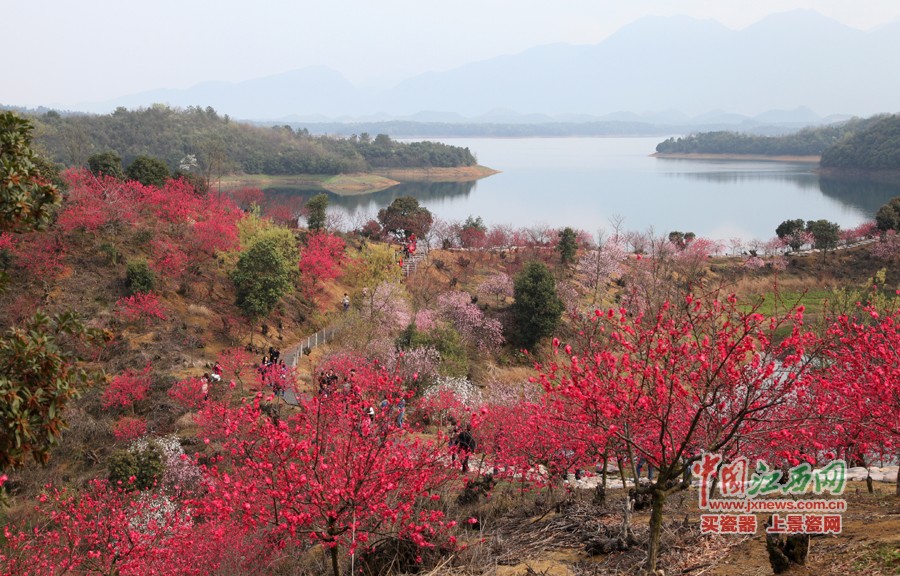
{"x":73,"y":51}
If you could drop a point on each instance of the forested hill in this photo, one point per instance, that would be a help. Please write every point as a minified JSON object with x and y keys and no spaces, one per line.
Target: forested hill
{"x":174,"y":135}
{"x":806,"y":142}
{"x":876,"y":147}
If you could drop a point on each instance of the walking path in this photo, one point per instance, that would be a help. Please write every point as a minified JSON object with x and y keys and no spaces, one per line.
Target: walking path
{"x":294,"y":353}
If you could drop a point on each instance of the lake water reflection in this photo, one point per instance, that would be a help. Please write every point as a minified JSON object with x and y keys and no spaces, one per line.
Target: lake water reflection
{"x":582,"y":182}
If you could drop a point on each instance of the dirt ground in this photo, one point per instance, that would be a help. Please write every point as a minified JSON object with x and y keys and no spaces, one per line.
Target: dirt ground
{"x":552,"y":544}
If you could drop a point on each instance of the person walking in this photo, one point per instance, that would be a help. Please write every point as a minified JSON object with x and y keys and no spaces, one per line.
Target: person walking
{"x":466,"y":443}
{"x":346,"y":302}
{"x":401,"y":410}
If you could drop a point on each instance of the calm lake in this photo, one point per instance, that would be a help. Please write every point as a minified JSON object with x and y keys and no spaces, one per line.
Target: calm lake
{"x":582,"y":182}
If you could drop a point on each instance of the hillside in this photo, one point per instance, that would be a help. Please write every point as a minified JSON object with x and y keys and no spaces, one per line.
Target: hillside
{"x":201,"y":139}
{"x":872,"y":147}
{"x":806,"y":142}
{"x":489,"y":404}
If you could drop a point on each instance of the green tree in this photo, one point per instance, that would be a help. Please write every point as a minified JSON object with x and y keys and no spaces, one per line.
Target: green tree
{"x":107,"y":164}
{"x":38,"y":374}
{"x":286,"y":244}
{"x":317,"y":205}
{"x":537,"y":304}
{"x":826,"y":235}
{"x":261,"y":278}
{"x":25,"y":201}
{"x":888,"y":216}
{"x":404,"y":217}
{"x":145,"y":466}
{"x":567,"y":246}
{"x":789,"y":228}
{"x":474,"y":224}
{"x":38,"y":378}
{"x":139,"y":277}
{"x":148,"y":171}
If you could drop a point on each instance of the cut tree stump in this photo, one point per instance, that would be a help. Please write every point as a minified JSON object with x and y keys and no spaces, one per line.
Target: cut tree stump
{"x":785,"y":550}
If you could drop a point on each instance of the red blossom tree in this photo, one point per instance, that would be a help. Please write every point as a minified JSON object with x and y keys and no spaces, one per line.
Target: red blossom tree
{"x":141,"y":306}
{"x":701,"y":375}
{"x":340,"y":471}
{"x":322,"y":260}
{"x":127,"y":388}
{"x":126,"y":428}
{"x":862,"y":383}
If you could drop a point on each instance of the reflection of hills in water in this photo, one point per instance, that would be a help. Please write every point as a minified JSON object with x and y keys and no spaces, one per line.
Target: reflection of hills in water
{"x":421,"y":191}
{"x":799,"y":179}
{"x":864,"y":195}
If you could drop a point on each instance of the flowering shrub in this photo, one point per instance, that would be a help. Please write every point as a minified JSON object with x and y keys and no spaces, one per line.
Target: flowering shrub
{"x":127,"y":388}
{"x":467,"y":318}
{"x":887,"y":247}
{"x":416,"y":366}
{"x":189,"y":393}
{"x":452,"y":396}
{"x":497,"y":286}
{"x":598,"y":266}
{"x":322,"y":260}
{"x":141,"y":306}
{"x":180,"y":472}
{"x":753,"y":263}
{"x":127,"y":428}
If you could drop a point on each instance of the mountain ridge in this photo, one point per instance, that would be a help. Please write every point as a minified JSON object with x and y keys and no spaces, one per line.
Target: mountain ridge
{"x":783,"y":61}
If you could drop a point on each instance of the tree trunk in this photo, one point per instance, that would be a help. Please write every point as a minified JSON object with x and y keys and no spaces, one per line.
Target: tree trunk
{"x":869,"y":485}
{"x":621,"y":472}
{"x":334,"y":561}
{"x":656,"y":518}
{"x":606,"y":463}
{"x":897,"y":487}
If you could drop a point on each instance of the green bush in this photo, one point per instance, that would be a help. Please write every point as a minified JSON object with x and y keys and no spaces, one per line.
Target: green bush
{"x":139,"y":277}
{"x":448,"y":343}
{"x":146,"y":466}
{"x":144,"y":236}
{"x":6,"y":259}
{"x":109,"y":250}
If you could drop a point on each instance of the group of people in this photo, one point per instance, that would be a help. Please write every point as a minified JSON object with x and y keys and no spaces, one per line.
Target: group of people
{"x":409,"y":249}
{"x":274,"y":371}
{"x":328,"y":382}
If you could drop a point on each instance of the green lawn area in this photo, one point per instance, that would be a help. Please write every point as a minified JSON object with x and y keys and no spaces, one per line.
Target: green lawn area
{"x":813,"y":300}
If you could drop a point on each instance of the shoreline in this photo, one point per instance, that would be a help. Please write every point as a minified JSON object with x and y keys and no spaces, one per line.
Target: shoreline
{"x":458,"y":174}
{"x":763,"y":157}
{"x":360,"y":182}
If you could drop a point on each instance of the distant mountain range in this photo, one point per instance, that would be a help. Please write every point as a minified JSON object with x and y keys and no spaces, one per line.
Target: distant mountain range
{"x":797,"y":118}
{"x":788,"y":64}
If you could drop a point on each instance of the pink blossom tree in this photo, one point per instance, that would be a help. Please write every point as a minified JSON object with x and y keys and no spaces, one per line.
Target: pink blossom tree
{"x":497,"y":286}
{"x":457,"y":307}
{"x":600,"y":265}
